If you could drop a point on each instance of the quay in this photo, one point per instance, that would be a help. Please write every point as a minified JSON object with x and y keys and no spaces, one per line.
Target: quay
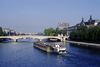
{"x":91,"y":45}
{"x":45,"y":48}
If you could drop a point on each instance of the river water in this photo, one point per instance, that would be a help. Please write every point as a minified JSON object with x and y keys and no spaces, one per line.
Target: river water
{"x":23,"y":54}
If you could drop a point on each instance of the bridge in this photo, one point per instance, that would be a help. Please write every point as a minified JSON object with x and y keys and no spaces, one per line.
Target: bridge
{"x":15,"y":38}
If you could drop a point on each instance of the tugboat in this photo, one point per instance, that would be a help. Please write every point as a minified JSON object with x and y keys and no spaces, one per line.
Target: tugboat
{"x":59,"y":49}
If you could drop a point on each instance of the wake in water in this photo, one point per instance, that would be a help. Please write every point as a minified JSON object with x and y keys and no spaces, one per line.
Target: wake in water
{"x":68,"y":55}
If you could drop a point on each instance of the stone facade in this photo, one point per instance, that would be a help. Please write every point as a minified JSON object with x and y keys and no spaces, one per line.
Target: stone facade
{"x":62,"y":26}
{"x":70,"y":29}
{"x":89,"y":23}
{"x":10,"y":32}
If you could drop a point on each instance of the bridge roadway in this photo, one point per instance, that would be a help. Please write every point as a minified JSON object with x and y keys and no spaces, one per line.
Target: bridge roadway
{"x":15,"y":38}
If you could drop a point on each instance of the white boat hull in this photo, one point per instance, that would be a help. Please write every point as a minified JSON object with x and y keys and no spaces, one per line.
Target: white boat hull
{"x":60,"y":50}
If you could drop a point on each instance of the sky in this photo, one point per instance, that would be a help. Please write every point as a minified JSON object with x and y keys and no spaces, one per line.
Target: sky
{"x":36,"y":15}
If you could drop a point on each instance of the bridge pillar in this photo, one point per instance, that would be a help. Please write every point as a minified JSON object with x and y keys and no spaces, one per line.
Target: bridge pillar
{"x":24,"y":38}
{"x":15,"y":40}
{"x":63,"y":39}
{"x":39,"y":40}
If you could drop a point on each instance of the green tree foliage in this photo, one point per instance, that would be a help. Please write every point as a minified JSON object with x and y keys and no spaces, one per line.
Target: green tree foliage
{"x":54,"y":32}
{"x":82,"y":28}
{"x":64,"y":32}
{"x":49,"y":31}
{"x":2,"y":33}
{"x":23,"y":34}
{"x":84,"y":33}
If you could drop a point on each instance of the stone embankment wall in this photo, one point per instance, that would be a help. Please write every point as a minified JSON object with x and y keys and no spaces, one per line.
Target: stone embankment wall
{"x":91,"y":45}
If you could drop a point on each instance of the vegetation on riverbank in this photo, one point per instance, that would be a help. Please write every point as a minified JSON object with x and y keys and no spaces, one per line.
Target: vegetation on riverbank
{"x":85,"y":33}
{"x":2,"y":33}
{"x":54,"y":32}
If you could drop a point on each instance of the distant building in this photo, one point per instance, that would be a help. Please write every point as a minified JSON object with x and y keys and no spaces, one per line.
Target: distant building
{"x":70,"y":29}
{"x":20,"y":33}
{"x":62,"y":26}
{"x":10,"y":32}
{"x":89,"y":23}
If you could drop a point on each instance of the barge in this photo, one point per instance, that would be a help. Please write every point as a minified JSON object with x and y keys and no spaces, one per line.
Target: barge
{"x":43,"y":47}
{"x":56,"y":48}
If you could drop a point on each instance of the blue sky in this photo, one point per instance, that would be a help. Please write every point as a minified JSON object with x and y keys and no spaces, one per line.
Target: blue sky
{"x":36,"y":15}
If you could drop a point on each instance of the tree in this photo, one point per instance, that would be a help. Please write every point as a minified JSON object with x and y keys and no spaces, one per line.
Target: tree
{"x":50,"y":32}
{"x":84,"y":33}
{"x":2,"y":33}
{"x":54,"y":32}
{"x":82,"y":28}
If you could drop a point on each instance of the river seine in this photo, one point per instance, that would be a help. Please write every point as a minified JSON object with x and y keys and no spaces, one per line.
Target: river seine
{"x":23,"y":54}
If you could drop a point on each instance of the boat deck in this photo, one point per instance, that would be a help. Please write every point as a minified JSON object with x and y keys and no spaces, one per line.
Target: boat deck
{"x":43,"y":47}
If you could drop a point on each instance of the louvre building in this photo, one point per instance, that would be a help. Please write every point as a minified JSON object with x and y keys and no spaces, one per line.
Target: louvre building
{"x":89,"y":23}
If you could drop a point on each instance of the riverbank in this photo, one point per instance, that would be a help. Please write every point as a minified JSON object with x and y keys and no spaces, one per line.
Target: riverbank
{"x":91,"y":45}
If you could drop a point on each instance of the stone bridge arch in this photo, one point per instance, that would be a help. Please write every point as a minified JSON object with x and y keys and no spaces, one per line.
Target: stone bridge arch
{"x":50,"y":37}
